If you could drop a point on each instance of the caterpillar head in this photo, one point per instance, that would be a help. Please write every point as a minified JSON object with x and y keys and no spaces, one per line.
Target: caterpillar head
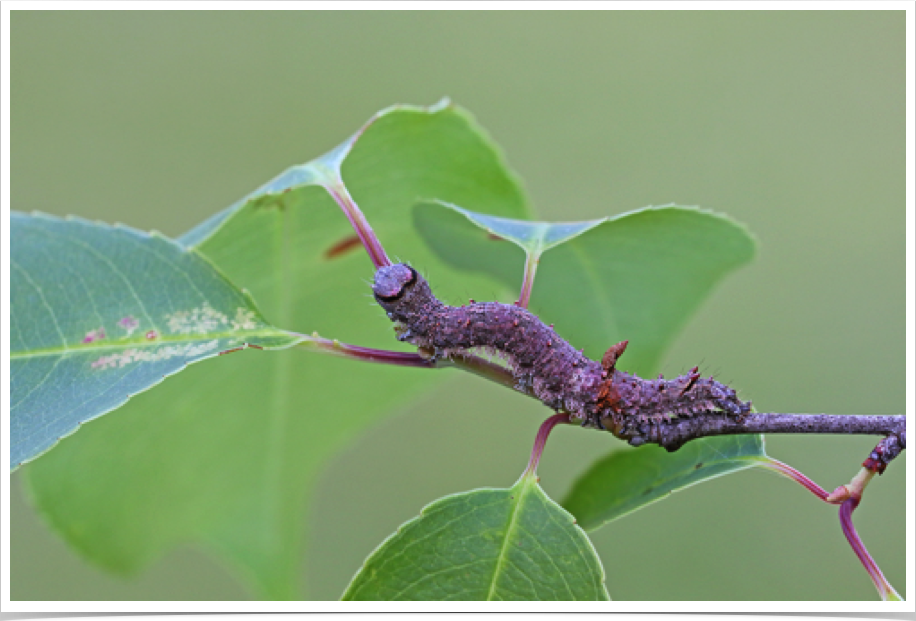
{"x":399,"y":289}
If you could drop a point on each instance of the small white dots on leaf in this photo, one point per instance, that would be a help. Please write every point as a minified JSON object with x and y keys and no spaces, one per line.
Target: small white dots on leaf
{"x":205,"y":320}
{"x":244,"y":320}
{"x":122,"y":359}
{"x":200,"y":320}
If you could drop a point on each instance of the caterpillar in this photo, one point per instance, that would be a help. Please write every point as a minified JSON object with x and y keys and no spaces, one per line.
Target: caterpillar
{"x":542,"y":363}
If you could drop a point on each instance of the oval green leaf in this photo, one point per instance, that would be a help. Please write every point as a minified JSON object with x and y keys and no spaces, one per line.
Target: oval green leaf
{"x":237,"y":448}
{"x":630,"y":479}
{"x":489,"y":544}
{"x":637,"y":276}
{"x":100,"y":313}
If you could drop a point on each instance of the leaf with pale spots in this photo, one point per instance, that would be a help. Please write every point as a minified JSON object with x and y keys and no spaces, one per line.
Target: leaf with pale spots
{"x":488,"y":544}
{"x":100,"y":313}
{"x":235,"y":448}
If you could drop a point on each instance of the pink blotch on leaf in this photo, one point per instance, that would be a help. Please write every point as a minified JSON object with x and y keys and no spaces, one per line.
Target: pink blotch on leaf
{"x":94,"y":335}
{"x":129,"y":323}
{"x":152,"y":334}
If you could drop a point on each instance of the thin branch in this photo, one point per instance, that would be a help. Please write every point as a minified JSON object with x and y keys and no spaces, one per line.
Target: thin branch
{"x":596,"y":394}
{"x":674,"y":433}
{"x":886,"y":450}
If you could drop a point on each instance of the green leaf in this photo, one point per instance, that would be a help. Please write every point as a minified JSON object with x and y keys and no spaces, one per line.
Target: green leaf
{"x":228,"y":454}
{"x":488,"y":544}
{"x":630,"y":479}
{"x":636,"y":276}
{"x":100,"y":313}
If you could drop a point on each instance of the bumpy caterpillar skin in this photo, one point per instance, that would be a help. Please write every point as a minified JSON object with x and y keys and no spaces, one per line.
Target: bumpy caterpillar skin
{"x":542,"y":362}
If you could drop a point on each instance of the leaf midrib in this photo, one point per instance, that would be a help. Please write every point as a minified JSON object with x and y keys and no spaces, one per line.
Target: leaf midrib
{"x":522,"y":491}
{"x":133,"y":344}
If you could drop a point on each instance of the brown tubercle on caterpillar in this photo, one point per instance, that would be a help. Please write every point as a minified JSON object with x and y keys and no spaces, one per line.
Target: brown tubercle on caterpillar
{"x":545,"y":365}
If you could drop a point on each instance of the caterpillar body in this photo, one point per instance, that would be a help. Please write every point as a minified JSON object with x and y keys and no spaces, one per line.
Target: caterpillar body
{"x":542,"y":362}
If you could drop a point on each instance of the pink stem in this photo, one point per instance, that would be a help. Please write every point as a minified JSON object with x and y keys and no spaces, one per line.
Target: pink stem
{"x":366,"y":354}
{"x":541,"y":439}
{"x":885,"y":590}
{"x":531,"y":266}
{"x":359,"y":223}
{"x":467,"y":362}
{"x":790,"y":472}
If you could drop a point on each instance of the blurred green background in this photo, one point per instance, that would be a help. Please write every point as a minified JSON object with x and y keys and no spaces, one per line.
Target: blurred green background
{"x":791,"y":122}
